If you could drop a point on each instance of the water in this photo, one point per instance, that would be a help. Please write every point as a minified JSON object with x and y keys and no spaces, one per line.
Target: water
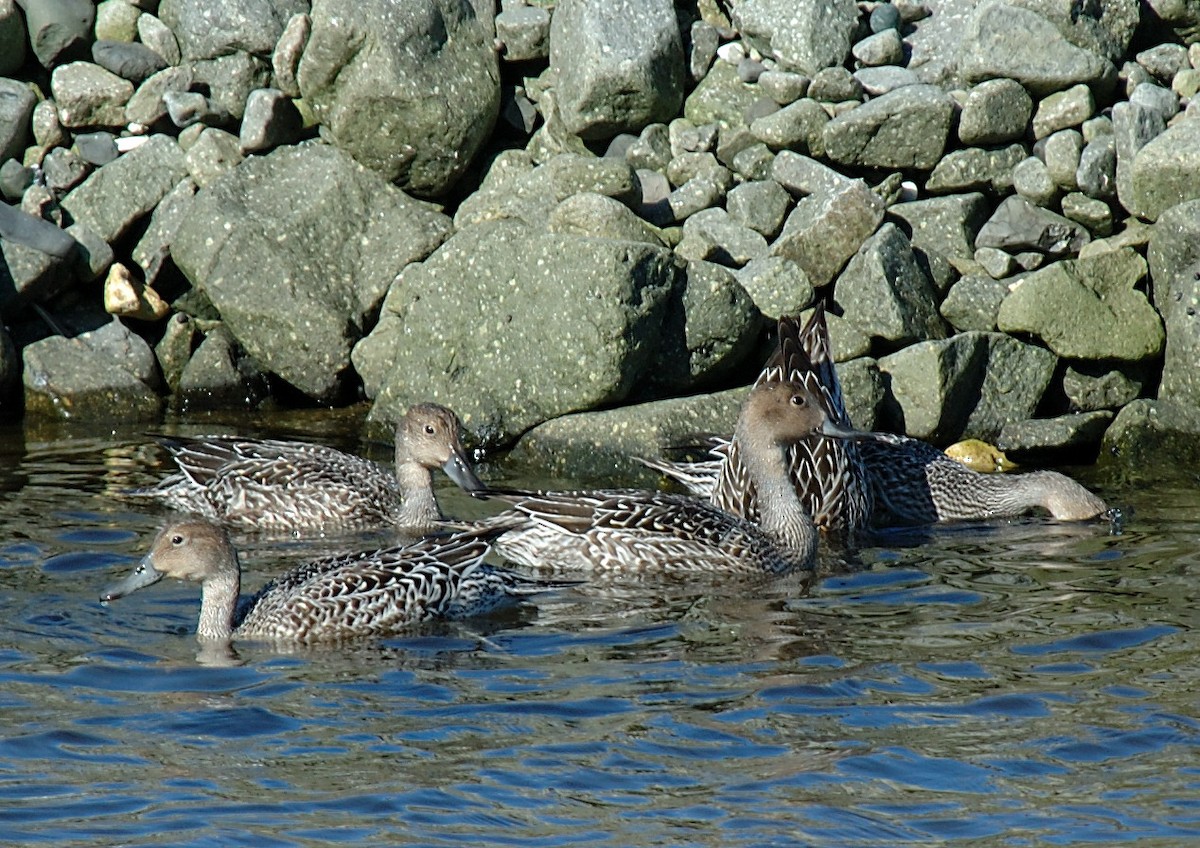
{"x":1014,"y":683}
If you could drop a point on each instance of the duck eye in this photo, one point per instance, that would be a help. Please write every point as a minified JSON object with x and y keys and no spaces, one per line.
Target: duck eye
{"x":429,"y":428}
{"x":177,"y":540}
{"x":798,"y":400}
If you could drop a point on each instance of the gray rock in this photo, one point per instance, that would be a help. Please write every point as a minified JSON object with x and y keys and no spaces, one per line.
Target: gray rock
{"x":760,"y":205}
{"x":114,"y":197}
{"x":1017,"y":226}
{"x":89,"y":96}
{"x":58,"y":29}
{"x":783,"y":87}
{"x":619,"y":66}
{"x":131,"y":61}
{"x":47,"y":131}
{"x":1164,"y":60}
{"x":1145,"y":431}
{"x":62,"y":170}
{"x":973,"y":303}
{"x":1166,"y":171}
{"x":14,"y":179}
{"x":27,"y":273}
{"x":146,"y":106}
{"x":96,"y":148}
{"x":285,"y":59}
{"x":486,"y":346}
{"x":1033,"y":438}
{"x":1097,"y":172}
{"x":802,"y":35}
{"x":1104,"y":30}
{"x":721,"y":97}
{"x":219,"y":375}
{"x":210,"y":28}
{"x":156,"y":35}
{"x":846,"y":340}
{"x":116,"y":20}
{"x":885,"y":292}
{"x":596,"y":216}
{"x":93,"y":255}
{"x":19,"y":227}
{"x":702,"y":49}
{"x":307,"y":221}
{"x":827,"y":228}
{"x":1087,"y":308}
{"x":587,"y":446}
{"x":1095,"y":215}
{"x":749,"y":70}
{"x":154,"y":246}
{"x":1157,"y":99}
{"x":571,"y":173}
{"x":885,"y":78}
{"x":106,"y":374}
{"x":1063,"y":151}
{"x":797,"y":126}
{"x":995,"y":262}
{"x":996,"y":111}
{"x":1015,"y":377}
{"x":802,"y":175}
{"x":653,"y":205}
{"x":214,"y":154}
{"x":863,"y":390}
{"x":754,"y":162}
{"x":709,"y":329}
{"x":1063,"y":110}
{"x":17,"y":102}
{"x":524,"y":32}
{"x":835,"y":85}
{"x":230,"y":79}
{"x":181,"y":336}
{"x":883,"y":17}
{"x":1002,"y":40}
{"x":1091,"y":386}
{"x":414,"y":97}
{"x":1032,"y":181}
{"x":1174,"y":255}
{"x":942,"y":231}
{"x":777,"y":286}
{"x":271,"y":119}
{"x":651,"y":150}
{"x":187,"y":108}
{"x":697,"y":194}
{"x":976,"y":169}
{"x":12,"y":41}
{"x":713,"y":235}
{"x":1134,"y":126}
{"x":882,"y":48}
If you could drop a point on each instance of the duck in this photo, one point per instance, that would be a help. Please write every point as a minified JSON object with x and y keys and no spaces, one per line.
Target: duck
{"x":372,"y":593}
{"x":617,"y":531}
{"x":877,"y":480}
{"x":827,"y":472}
{"x":300,"y":488}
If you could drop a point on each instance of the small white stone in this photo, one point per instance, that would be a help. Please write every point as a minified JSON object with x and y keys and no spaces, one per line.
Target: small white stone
{"x":731,"y":52}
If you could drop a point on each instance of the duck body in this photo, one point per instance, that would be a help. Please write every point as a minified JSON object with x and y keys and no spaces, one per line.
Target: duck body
{"x":335,"y":598}
{"x":278,"y":486}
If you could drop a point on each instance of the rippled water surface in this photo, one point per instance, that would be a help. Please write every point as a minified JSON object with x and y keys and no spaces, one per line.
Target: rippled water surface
{"x":1014,"y":683}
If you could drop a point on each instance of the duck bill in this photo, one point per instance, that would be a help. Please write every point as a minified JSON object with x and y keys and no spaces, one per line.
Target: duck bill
{"x":458,"y":468}
{"x":837,"y":431}
{"x":144,"y":574}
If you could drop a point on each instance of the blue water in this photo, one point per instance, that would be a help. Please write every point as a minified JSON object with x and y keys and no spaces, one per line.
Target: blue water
{"x":1014,"y":683}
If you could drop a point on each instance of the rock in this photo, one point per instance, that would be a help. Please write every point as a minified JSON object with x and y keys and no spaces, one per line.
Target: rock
{"x":754,"y":162}
{"x":486,"y":347}
{"x":96,"y":148}
{"x":1063,"y":151}
{"x":976,"y":169}
{"x":525,"y":33}
{"x":1063,"y":110}
{"x":760,"y":205}
{"x":215,"y":153}
{"x":1145,"y":431}
{"x":1095,"y":215}
{"x":230,"y":79}
{"x":117,"y":195}
{"x":651,"y":150}
{"x":89,"y":96}
{"x":596,"y":216}
{"x":154,"y":247}
{"x":1032,"y":181}
{"x":1134,"y":126}
{"x":19,"y":227}
{"x":713,"y":235}
{"x":996,"y":111}
{"x":1039,"y":438}
{"x":801,"y":35}
{"x":27,"y":273}
{"x":1002,"y":40}
{"x":127,"y":297}
{"x":783,"y":87}
{"x":105,"y":374}
{"x":721,"y":98}
{"x":271,"y":119}
{"x":619,"y":67}
{"x":1087,"y":309}
{"x":942,"y":231}
{"x":885,"y":292}
{"x":210,"y":28}
{"x":699,"y":193}
{"x":589,"y":445}
{"x":181,"y":336}
{"x":1174,"y":256}
{"x":708,"y":331}
{"x":1090,"y":386}
{"x":131,"y":61}
{"x":835,"y":85}
{"x":59,"y":30}
{"x":1163,"y":61}
{"x":1096,"y":175}
{"x":801,"y":175}
{"x":93,"y":255}
{"x":881,"y":80}
{"x":285,"y":59}
{"x":882,"y":48}
{"x":1017,"y":225}
{"x":1015,"y":377}
{"x":797,"y":126}
{"x":1166,"y":171}
{"x":863,"y":391}
{"x":12,"y":52}
{"x":1156,"y":99}
{"x":147,"y":106}
{"x":17,"y":102}
{"x":219,"y":375}
{"x":827,"y":228}
{"x":973,"y":303}
{"x":14,"y":179}
{"x":116,"y":20}
{"x":62,"y":170}
{"x":306,"y":221}
{"x":47,"y":131}
{"x":777,"y":286}
{"x":702,"y":50}
{"x":156,"y":35}
{"x":410,"y":90}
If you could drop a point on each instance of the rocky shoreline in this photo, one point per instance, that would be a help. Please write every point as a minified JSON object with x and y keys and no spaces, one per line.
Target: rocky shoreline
{"x":573,"y":222}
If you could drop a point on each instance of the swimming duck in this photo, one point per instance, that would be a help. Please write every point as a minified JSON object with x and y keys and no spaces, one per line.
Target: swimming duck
{"x":827,"y":472}
{"x":286,"y":486}
{"x":364,"y":594}
{"x":612,"y":530}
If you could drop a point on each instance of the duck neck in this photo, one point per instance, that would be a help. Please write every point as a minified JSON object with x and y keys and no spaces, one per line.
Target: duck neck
{"x":781,"y":514}
{"x":419,"y":510}
{"x":218,"y":600}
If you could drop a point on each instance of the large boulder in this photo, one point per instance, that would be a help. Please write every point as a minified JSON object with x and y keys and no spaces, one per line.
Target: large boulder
{"x":802,"y":35}
{"x":296,"y":250}
{"x":510,"y":327}
{"x":1174,"y":255}
{"x":409,"y":89}
{"x":1166,"y":171}
{"x":905,"y":128}
{"x":619,"y":66}
{"x":210,"y":28}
